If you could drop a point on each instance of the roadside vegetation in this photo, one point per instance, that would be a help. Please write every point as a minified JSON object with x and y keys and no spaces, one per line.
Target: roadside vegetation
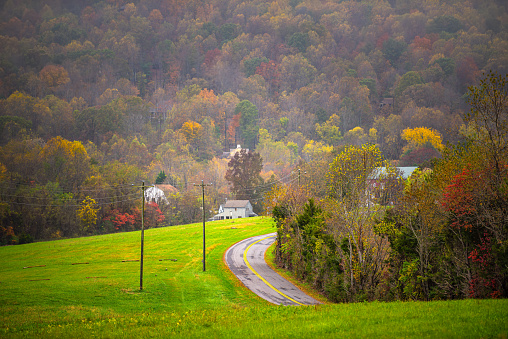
{"x":356,"y":229}
{"x":92,"y":292}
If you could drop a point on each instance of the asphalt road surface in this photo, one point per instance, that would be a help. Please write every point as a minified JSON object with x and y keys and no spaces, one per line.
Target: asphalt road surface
{"x":246,"y":260}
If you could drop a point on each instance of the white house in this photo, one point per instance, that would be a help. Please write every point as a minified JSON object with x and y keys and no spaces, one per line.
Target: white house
{"x":377,"y":178}
{"x":234,"y":209}
{"x":233,"y":151}
{"x":155,"y":194}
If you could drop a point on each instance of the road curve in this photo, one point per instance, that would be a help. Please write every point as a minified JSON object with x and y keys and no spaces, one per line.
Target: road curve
{"x":246,"y":260}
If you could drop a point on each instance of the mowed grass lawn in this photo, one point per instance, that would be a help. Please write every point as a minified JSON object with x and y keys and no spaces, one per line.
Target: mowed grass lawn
{"x":89,"y":287}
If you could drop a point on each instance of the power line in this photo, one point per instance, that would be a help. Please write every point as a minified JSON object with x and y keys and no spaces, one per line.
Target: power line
{"x":68,"y":205}
{"x":50,"y":196}
{"x":18,"y":186}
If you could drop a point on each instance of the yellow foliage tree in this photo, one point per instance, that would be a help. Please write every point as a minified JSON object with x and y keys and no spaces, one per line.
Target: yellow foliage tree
{"x":191,"y":131}
{"x":315,"y":150}
{"x":420,"y":136}
{"x":64,"y":161}
{"x":87,"y":213}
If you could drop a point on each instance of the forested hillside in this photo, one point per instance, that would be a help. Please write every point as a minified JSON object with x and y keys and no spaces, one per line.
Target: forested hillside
{"x":98,"y":95}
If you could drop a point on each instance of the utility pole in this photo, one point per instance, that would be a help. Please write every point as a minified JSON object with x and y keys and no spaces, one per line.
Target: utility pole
{"x":299,"y":177}
{"x":143,"y":187}
{"x":142,"y":237}
{"x":204,"y":216}
{"x":225,"y":132}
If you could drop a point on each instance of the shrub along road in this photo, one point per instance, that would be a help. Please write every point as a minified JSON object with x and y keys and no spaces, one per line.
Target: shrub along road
{"x":246,"y":260}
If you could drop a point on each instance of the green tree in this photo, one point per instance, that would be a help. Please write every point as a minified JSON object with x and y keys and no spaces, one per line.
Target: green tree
{"x":409,"y":79}
{"x":229,"y":31}
{"x":250,"y":65}
{"x":300,"y":41}
{"x":444,"y":23}
{"x":393,"y":49}
{"x":160,"y":178}
{"x":329,"y":131}
{"x":248,"y":122}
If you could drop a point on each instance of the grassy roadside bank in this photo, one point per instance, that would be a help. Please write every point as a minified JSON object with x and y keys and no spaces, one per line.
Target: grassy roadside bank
{"x":93,"y":290}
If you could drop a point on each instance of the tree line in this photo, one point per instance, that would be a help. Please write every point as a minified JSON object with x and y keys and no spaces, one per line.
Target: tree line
{"x":99,"y":95}
{"x":357,"y":233}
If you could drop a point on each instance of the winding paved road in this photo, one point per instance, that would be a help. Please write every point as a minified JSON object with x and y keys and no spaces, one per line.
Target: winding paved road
{"x":246,"y":260}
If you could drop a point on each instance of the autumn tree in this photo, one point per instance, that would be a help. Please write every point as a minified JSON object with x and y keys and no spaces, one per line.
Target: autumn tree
{"x":271,"y":73}
{"x":423,"y":144}
{"x":417,"y":137}
{"x":277,"y":156}
{"x":153,"y":215}
{"x":389,"y":131}
{"x":351,"y":211}
{"x":489,"y":115}
{"x":53,"y":77}
{"x":87,"y":213}
{"x":66,"y":162}
{"x":296,"y":72}
{"x":424,"y":218}
{"x":28,"y":107}
{"x":243,"y":175}
{"x":476,"y":198}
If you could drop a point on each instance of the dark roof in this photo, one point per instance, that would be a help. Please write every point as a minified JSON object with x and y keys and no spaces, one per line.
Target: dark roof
{"x":236,"y":203}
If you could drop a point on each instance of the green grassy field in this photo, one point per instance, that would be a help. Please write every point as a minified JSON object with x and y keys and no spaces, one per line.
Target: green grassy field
{"x":90,"y":287}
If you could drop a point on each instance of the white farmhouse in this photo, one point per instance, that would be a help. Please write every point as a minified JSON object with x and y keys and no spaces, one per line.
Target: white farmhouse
{"x":234,"y":209}
{"x":156,"y":195}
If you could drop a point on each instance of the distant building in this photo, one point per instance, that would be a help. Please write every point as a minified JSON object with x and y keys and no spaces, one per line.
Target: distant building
{"x":375,"y":181}
{"x":156,"y":195}
{"x":386,"y":102}
{"x":376,"y":184}
{"x":233,"y":151}
{"x":234,"y":209}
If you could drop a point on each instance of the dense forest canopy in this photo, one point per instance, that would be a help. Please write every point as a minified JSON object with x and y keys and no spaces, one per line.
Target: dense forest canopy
{"x":98,"y":95}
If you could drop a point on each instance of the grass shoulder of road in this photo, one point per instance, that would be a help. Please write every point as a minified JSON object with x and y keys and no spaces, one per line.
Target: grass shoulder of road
{"x":90,"y":287}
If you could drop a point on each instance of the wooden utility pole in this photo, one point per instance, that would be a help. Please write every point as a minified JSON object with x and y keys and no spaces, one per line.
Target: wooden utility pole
{"x":142,"y":237}
{"x":143,"y":187}
{"x":204,"y":219}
